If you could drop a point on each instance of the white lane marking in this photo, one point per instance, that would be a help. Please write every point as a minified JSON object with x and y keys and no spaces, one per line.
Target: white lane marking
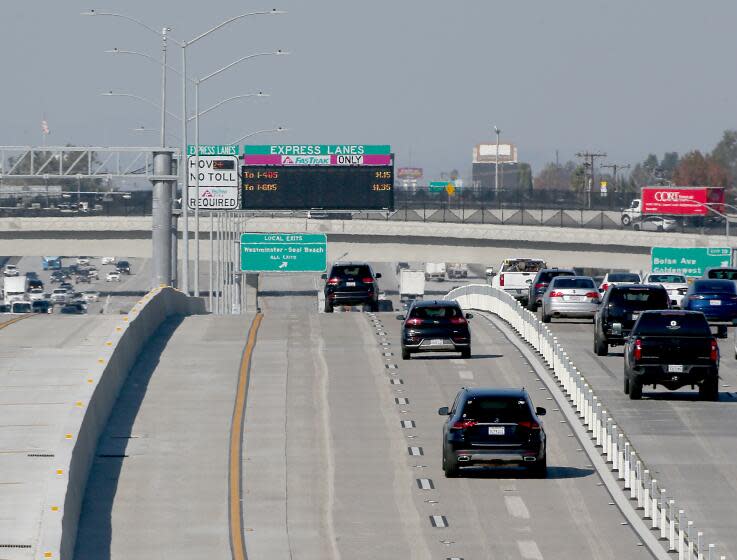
{"x":529,"y":550}
{"x":401,"y":400}
{"x":465,"y":374}
{"x":396,"y":381}
{"x":408,"y":423}
{"x":425,"y":484}
{"x":391,"y":366}
{"x":516,"y":507}
{"x":458,"y":361}
{"x":438,"y":521}
{"x":415,"y":451}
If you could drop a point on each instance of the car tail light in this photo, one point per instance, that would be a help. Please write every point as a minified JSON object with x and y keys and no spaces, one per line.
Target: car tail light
{"x":414,"y":322}
{"x":637,"y":354}
{"x":458,"y":321}
{"x":592,"y":295}
{"x":556,"y":294}
{"x":333,"y":281}
{"x":695,"y":297}
{"x":501,"y":279}
{"x":529,"y":424}
{"x":463,"y":424}
{"x":367,"y":280}
{"x":541,"y":285}
{"x":714,"y":354}
{"x":604,"y":287}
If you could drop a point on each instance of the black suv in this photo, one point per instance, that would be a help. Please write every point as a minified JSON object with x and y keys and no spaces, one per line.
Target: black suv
{"x":620,"y":308}
{"x":493,"y":427}
{"x":351,"y":284}
{"x":674,"y":349}
{"x":124,"y":267}
{"x":435,"y":326}
{"x":540,"y":284}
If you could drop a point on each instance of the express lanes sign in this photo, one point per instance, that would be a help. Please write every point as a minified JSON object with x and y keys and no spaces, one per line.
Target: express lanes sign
{"x":218,"y":179}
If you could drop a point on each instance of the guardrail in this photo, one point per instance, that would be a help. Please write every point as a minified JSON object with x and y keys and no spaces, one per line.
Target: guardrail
{"x":88,"y":417}
{"x":675,"y":529}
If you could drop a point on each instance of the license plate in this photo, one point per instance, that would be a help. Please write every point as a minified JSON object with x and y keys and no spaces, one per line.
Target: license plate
{"x":496,"y":430}
{"x":350,"y":284}
{"x":675,"y":369}
{"x":715,"y":302}
{"x":574,"y":298}
{"x":436,"y":342}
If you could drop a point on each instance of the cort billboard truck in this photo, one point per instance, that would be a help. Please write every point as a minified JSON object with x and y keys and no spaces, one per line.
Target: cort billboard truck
{"x":675,"y":202}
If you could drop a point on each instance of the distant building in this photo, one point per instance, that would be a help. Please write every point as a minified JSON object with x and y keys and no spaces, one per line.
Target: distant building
{"x":485,"y":160}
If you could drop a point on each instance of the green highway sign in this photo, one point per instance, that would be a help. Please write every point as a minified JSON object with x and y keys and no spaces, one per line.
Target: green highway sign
{"x":689,"y":261}
{"x":439,"y":186}
{"x":213,"y":150}
{"x":284,"y":252}
{"x":317,"y":150}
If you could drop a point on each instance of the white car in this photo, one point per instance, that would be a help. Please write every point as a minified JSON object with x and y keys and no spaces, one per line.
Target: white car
{"x":60,"y":296}
{"x":108,"y":260}
{"x":675,"y":284}
{"x":11,"y":270}
{"x":616,"y":278}
{"x":83,"y":260}
{"x":36,"y":294}
{"x":91,"y":296}
{"x":113,"y":276}
{"x":93,"y":273}
{"x":655,"y":223}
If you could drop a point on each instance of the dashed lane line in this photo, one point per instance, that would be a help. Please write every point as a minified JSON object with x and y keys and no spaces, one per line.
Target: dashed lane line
{"x":529,"y":550}
{"x":516,"y":507}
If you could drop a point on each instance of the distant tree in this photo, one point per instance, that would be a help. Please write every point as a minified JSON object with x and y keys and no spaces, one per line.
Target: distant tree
{"x":641,"y":176}
{"x":725,"y":154}
{"x":692,"y":170}
{"x":554,"y":176}
{"x":525,"y":177}
{"x":668,"y":164}
{"x":578,"y":178}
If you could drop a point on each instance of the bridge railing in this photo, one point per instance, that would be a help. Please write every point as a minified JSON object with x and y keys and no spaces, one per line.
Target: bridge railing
{"x":652,"y":500}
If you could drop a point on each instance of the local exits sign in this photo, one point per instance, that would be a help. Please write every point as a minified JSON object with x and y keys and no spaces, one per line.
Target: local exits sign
{"x":218,"y":180}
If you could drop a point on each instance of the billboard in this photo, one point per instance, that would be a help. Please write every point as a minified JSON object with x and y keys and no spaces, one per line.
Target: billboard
{"x":410,"y":173}
{"x":487,"y":153}
{"x":682,"y":201}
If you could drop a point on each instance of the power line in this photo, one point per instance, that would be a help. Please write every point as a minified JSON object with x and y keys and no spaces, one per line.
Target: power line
{"x":589,"y":158}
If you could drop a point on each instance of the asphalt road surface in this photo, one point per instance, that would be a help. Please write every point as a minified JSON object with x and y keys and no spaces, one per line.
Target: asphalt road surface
{"x":690,"y":446}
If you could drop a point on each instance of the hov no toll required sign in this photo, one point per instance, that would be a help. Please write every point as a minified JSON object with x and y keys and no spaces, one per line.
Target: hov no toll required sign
{"x":217,"y":180}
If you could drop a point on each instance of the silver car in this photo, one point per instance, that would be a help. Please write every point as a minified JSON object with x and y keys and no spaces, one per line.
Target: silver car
{"x":570,"y":296}
{"x":655,"y":223}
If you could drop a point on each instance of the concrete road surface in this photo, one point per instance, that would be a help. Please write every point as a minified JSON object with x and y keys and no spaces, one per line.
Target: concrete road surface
{"x":159,"y":485}
{"x":328,"y":471}
{"x":44,"y":360}
{"x":690,"y":446}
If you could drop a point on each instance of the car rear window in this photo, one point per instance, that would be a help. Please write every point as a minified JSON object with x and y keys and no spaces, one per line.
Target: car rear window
{"x":496,"y":409}
{"x":667,"y":278}
{"x":361,"y":270}
{"x":439,"y":312}
{"x":580,"y":283}
{"x":548,"y":276}
{"x":639,"y":298}
{"x":707,"y":287}
{"x":723,"y":273}
{"x":623,"y":277}
{"x":671,"y":324}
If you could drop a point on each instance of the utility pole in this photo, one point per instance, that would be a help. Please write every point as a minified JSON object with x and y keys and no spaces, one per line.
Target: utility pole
{"x":496,"y":161}
{"x":589,"y":158}
{"x":615,"y":167}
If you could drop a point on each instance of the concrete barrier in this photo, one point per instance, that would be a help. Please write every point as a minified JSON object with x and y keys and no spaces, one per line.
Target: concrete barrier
{"x":87,"y":419}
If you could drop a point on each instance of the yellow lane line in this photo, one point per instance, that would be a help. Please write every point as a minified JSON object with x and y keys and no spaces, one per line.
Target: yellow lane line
{"x":235,"y":489}
{"x":15,"y":320}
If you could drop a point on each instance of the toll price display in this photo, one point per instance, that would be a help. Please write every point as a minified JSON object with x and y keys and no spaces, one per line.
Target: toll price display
{"x":312,"y":187}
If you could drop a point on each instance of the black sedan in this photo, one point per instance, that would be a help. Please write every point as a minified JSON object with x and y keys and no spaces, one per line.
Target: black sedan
{"x":435,"y":326}
{"x":489,"y":426}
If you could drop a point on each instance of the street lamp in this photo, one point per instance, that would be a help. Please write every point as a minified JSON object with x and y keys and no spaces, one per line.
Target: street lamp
{"x":139,"y":98}
{"x":183,"y":45}
{"x":199,"y":81}
{"x":496,"y":161}
{"x":250,"y":134}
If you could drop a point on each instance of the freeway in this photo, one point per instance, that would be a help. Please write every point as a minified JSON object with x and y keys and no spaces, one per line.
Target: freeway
{"x":328,"y":468}
{"x":690,"y":446}
{"x":43,"y":365}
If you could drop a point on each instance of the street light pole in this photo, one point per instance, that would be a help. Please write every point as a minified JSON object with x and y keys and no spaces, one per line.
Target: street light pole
{"x":496,"y":161}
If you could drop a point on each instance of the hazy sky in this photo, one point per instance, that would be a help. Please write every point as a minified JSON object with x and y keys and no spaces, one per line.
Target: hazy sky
{"x":429,"y":77}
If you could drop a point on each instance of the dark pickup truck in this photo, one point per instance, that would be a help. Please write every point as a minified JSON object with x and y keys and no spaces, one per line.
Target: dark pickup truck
{"x":620,"y":308}
{"x":673,"y":349}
